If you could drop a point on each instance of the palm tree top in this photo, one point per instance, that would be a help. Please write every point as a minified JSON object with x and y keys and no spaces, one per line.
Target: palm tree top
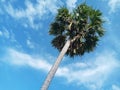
{"x":83,"y":26}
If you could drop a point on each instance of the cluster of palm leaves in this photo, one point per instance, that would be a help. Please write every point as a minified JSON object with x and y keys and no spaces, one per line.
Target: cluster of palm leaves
{"x":83,"y":27}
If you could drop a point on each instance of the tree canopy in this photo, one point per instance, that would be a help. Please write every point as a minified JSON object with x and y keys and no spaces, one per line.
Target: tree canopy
{"x":84,"y":23}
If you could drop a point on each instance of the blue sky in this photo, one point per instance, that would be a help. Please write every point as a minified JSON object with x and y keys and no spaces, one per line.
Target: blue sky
{"x":26,"y":54}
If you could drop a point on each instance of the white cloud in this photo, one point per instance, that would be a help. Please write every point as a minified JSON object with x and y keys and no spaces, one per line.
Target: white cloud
{"x":1,"y":33}
{"x":23,"y":59}
{"x":8,"y":34}
{"x":30,"y":44}
{"x":71,"y":4}
{"x":107,"y":20}
{"x":5,"y":33}
{"x":115,"y":87}
{"x":33,"y":12}
{"x":2,"y":0}
{"x":91,"y":74}
{"x":36,"y":11}
{"x":114,"y":5}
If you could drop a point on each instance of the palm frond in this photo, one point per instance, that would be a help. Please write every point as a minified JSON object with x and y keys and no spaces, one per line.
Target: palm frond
{"x":85,"y":22}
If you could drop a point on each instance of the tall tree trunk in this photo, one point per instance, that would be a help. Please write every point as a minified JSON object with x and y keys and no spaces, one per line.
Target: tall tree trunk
{"x":55,"y":66}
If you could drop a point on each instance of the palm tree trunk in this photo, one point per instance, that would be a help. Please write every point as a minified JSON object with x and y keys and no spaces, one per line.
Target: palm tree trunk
{"x":55,"y":66}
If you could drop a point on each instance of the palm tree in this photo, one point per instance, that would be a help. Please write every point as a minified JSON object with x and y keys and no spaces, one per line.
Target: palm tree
{"x":74,"y":34}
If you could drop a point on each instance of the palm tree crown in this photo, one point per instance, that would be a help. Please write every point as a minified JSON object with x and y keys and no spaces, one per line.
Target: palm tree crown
{"x":83,"y":27}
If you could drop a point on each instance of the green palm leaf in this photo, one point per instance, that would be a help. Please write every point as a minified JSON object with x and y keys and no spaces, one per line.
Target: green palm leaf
{"x":84,"y":22}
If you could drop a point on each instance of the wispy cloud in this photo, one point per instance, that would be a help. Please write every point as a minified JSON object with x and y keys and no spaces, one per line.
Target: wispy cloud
{"x":33,"y":11}
{"x":71,"y":4}
{"x":36,"y":11}
{"x":23,"y":59}
{"x":30,"y":44}
{"x":114,"y":5}
{"x":115,"y":87}
{"x":5,"y":33}
{"x":1,"y":33}
{"x":91,"y":74}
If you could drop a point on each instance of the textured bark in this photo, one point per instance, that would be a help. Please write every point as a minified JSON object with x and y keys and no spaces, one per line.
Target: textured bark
{"x":55,"y":66}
